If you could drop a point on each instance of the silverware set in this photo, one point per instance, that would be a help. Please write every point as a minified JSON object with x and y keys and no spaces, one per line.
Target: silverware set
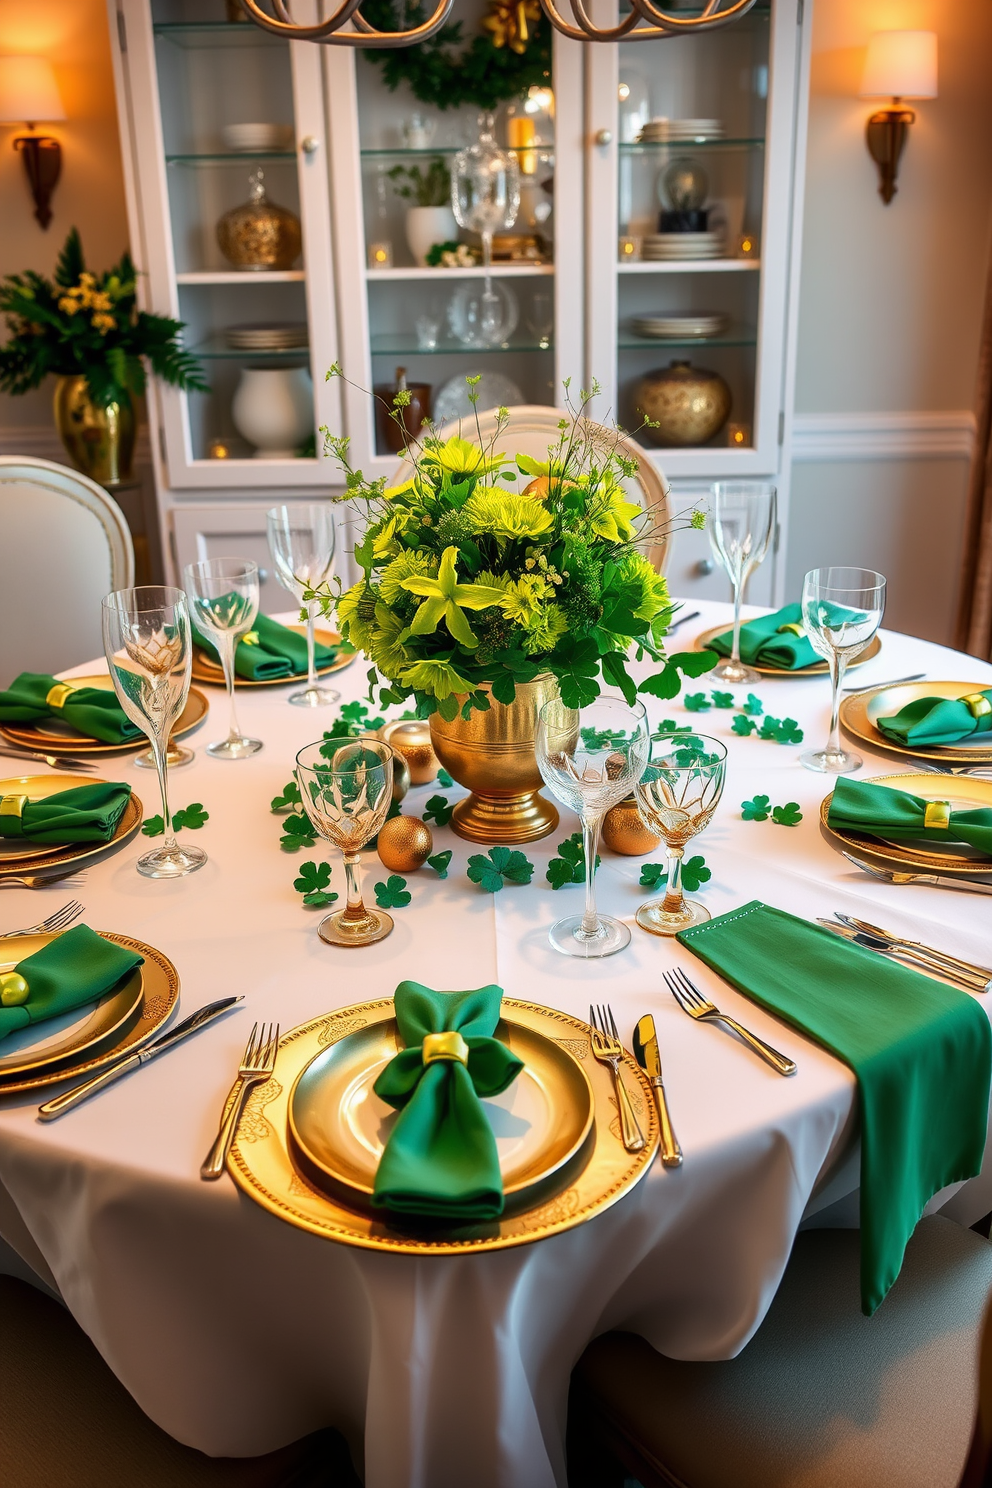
{"x":932,"y":767}
{"x":936,"y":880}
{"x":40,"y":880}
{"x":692,"y":1001}
{"x":967,"y":974}
{"x":60,"y":920}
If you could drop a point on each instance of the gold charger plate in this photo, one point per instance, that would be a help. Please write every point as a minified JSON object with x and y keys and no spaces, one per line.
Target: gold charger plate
{"x":42,"y":736}
{"x":962,"y":792}
{"x":48,"y":860}
{"x":206,"y":670}
{"x":339,"y":1126}
{"x":859,"y":711}
{"x":818,"y":669}
{"x":261,"y":1164}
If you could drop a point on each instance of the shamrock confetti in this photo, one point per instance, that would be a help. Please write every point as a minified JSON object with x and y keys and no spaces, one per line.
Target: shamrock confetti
{"x":696,"y":702}
{"x":438,"y":810}
{"x":742,"y":725}
{"x":444,"y":780}
{"x":153,"y":826}
{"x":289,"y":798}
{"x":694,"y":874}
{"x":570,"y":865}
{"x":653,"y":874}
{"x":754,"y":707}
{"x":788,"y":815}
{"x":352,"y":720}
{"x":439,"y":862}
{"x":393,"y":894}
{"x":312,"y":884}
{"x":187,"y":816}
{"x":756,"y":810}
{"x":500,"y":866}
{"x":668,"y":727}
{"x":781,"y":731}
{"x":722,"y":699}
{"x":297,"y":832}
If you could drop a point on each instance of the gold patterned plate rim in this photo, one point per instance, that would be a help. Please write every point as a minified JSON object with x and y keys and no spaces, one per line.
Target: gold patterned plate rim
{"x":261,"y":1165}
{"x":77,"y":853}
{"x":818,"y":669}
{"x":211,"y":672}
{"x":160,"y":993}
{"x":903,"y":857}
{"x":855,"y":716}
{"x":62,"y":741}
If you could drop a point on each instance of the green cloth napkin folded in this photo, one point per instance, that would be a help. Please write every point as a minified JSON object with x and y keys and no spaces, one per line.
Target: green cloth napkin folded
{"x":76,"y":968}
{"x":88,"y":813}
{"x":440,"y":1159}
{"x":761,"y":643}
{"x":921,"y":1052}
{"x":278,"y":651}
{"x":933,"y":720}
{"x":881,"y":811}
{"x":90,"y":710}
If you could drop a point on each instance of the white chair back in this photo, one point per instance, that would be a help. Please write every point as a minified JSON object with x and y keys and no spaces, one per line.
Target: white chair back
{"x":65,"y":544}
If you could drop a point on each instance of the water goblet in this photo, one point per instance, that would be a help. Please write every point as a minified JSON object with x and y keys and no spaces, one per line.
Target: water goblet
{"x":676,"y":797}
{"x":590,"y":761}
{"x":146,"y":637}
{"x":842,"y":610}
{"x":223,"y":597}
{"x":741,"y":525}
{"x":485,"y":197}
{"x":346,"y":791}
{"x":301,"y":541}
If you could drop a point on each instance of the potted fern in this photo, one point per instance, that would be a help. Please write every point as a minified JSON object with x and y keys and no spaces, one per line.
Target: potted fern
{"x":431,"y":220}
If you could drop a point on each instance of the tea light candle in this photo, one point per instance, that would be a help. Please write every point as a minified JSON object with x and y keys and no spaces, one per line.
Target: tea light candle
{"x":629,"y":250}
{"x":380,"y":255}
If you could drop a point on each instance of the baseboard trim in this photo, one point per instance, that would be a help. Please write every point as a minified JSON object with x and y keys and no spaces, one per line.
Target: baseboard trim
{"x":883,"y":436}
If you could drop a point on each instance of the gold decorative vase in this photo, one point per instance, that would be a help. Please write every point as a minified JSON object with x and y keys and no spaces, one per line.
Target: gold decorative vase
{"x":624,"y":832}
{"x":98,"y":441}
{"x":688,"y":404}
{"x":492,"y":754}
{"x":259,"y":235}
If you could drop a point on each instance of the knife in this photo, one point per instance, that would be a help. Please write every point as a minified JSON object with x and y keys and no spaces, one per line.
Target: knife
{"x":70,"y":1098}
{"x":649,"y":1058}
{"x":917,"y":962}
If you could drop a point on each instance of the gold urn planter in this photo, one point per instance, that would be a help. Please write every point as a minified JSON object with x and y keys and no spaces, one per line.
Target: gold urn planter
{"x":98,"y":441}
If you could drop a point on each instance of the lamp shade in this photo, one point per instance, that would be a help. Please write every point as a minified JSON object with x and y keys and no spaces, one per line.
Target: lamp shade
{"x":29,"y":93}
{"x":901,"y":64}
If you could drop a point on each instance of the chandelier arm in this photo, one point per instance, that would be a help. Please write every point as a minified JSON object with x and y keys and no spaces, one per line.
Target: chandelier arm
{"x":605,"y":33}
{"x":328,"y":31}
{"x":710,"y":20}
{"x":576,"y":33}
{"x":284,"y":25}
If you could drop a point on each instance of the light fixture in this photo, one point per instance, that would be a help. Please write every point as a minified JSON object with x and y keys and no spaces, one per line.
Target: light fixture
{"x":899,"y":65}
{"x":29,"y":95}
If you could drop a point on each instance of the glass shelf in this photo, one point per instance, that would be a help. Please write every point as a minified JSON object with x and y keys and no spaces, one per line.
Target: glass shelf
{"x":545,"y":152}
{"x":197,"y":34}
{"x":215,"y":349}
{"x":230,"y":157}
{"x":735,"y":336}
{"x":654,"y":147}
{"x":403,"y":344}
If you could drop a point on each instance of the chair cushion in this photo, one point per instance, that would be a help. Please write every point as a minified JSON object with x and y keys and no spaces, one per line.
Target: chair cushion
{"x":822,"y":1397}
{"x":66,"y":1421}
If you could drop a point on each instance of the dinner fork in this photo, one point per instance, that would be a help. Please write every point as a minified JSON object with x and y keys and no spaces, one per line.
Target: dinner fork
{"x":257,"y":1064}
{"x":606,"y":1047}
{"x":939,"y":880}
{"x":57,"y":921}
{"x":692,"y":1001}
{"x":39,"y":880}
{"x":57,"y":761}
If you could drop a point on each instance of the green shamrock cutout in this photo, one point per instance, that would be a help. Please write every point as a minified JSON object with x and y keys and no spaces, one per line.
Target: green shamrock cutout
{"x":668,"y":727}
{"x":653,"y":874}
{"x":500,"y":866}
{"x":753,"y":707}
{"x":297,"y":832}
{"x":187,"y":816}
{"x":153,"y":826}
{"x":312,"y":884}
{"x":756,"y":810}
{"x":789,"y":732}
{"x":742,"y":725}
{"x":570,"y":865}
{"x":393,"y":894}
{"x":439,"y":862}
{"x":694,"y":874}
{"x":289,"y":798}
{"x":444,"y":780}
{"x":696,"y":702}
{"x":722,"y":699}
{"x":788,"y":815}
{"x":438,"y":810}
{"x":769,"y":727}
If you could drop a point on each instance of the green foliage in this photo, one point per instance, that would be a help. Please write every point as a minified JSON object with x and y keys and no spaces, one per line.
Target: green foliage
{"x":742,"y":725}
{"x":722,"y":699}
{"x":312,"y":883}
{"x":352,"y":720}
{"x":439,"y":862}
{"x":694,"y":874}
{"x":756,"y":810}
{"x":297,"y":832}
{"x":569,"y":867}
{"x":444,"y":780}
{"x":788,"y":815}
{"x":666,"y":683}
{"x":753,"y":707}
{"x":288,"y":799}
{"x":437,"y":810}
{"x":192,"y":817}
{"x":696,"y":702}
{"x":500,"y":866}
{"x":429,"y":188}
{"x":392,"y":894}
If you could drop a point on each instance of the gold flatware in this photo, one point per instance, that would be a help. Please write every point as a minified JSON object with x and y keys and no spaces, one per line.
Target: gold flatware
{"x":60,"y":920}
{"x":937,"y":880}
{"x":40,"y":880}
{"x":648,"y":1056}
{"x":692,"y":1001}
{"x":915,"y":960}
{"x":606,"y":1047}
{"x":256,"y":1067}
{"x":970,"y":968}
{"x":57,"y":761}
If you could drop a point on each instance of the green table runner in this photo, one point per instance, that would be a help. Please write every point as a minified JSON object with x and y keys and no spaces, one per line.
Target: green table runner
{"x":921,"y":1052}
{"x":440,"y":1159}
{"x":87,"y":813}
{"x":90,"y":710}
{"x":881,"y":811}
{"x":932,"y":720}
{"x":273,"y":651}
{"x":76,"y":968}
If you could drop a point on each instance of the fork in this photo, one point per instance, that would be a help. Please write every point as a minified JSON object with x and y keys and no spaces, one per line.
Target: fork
{"x":939,"y":880}
{"x":979,"y":772}
{"x":57,"y":761}
{"x":39,"y":880}
{"x":606,"y":1047}
{"x":257,"y":1064}
{"x":692,"y":1001}
{"x":57,"y":921}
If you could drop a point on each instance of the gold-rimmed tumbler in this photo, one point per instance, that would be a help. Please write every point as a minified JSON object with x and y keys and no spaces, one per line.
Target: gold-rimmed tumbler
{"x":677,"y":796}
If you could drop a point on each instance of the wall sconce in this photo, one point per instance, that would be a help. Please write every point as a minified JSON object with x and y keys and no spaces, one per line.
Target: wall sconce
{"x":29,"y":95}
{"x":899,"y":65}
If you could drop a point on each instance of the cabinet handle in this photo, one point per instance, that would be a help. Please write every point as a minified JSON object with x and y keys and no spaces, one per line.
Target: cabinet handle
{"x":704,"y":567}
{"x":263,"y":575}
{"x":309,"y":144}
{"x":604,"y":136}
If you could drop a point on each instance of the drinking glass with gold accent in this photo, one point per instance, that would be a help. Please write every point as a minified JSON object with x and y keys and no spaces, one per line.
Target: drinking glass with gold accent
{"x":842,"y":610}
{"x":677,"y":796}
{"x":223,"y":596}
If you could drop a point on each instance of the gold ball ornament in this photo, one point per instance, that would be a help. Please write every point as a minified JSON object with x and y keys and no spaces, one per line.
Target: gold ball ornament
{"x":13,"y":989}
{"x":404,"y":844}
{"x":410,"y":738}
{"x":624,"y":831}
{"x":401,"y":776}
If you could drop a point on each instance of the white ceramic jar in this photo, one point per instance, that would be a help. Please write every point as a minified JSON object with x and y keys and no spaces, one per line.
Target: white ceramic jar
{"x":426,"y":226}
{"x":273,"y":410}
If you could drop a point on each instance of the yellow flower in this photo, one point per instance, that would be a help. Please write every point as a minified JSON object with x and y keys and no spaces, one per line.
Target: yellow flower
{"x":546,"y":631}
{"x":404,"y":566}
{"x":68,"y":304}
{"x":523,"y":600}
{"x":445,"y":599}
{"x":436,"y":677}
{"x":610,"y":515}
{"x":654,"y":586}
{"x":384,"y":543}
{"x":103,"y":323}
{"x":392,"y":491}
{"x":505,"y":514}
{"x":100,"y":301}
{"x":459,"y":457}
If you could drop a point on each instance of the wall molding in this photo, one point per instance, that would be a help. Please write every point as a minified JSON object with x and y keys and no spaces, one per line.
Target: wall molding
{"x":883,"y":436}
{"x":41,"y":442}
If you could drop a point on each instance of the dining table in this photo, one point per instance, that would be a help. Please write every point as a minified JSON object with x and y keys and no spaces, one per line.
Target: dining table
{"x":237,"y":1331}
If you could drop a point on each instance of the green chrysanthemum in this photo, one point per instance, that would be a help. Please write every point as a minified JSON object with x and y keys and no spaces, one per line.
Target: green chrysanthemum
{"x":439,"y":678}
{"x":505,"y":514}
{"x":355,"y":609}
{"x":654,"y":587}
{"x":545,"y":631}
{"x":404,"y":566}
{"x":387,"y":653}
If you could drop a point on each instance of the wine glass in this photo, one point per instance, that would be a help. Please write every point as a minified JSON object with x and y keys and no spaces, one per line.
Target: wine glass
{"x":842,"y":609}
{"x":741,"y":525}
{"x":676,"y":797}
{"x":485,"y":196}
{"x":223,"y":595}
{"x":301,"y":541}
{"x":146,"y":637}
{"x":346,"y":791}
{"x":590,"y":761}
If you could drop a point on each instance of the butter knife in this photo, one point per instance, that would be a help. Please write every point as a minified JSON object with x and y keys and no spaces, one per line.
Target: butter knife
{"x":79,"y":1093}
{"x":648,"y":1056}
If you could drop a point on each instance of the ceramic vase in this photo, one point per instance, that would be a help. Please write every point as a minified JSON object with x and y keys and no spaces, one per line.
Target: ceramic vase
{"x":273,"y":410}
{"x":99,"y":441}
{"x":426,"y":226}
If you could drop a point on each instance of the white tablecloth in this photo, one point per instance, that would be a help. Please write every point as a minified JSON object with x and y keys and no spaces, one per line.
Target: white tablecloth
{"x":443,"y":1371}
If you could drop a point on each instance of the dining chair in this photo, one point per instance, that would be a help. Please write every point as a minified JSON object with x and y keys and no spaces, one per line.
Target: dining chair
{"x":65,"y":544}
{"x":822,"y":1396}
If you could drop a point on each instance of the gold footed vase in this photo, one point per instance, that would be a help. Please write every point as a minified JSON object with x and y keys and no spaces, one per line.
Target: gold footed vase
{"x":98,"y":441}
{"x":492,"y":755}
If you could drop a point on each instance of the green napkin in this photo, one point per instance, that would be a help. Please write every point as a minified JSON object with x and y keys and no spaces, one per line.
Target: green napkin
{"x":921,"y":1051}
{"x":861,"y":806}
{"x":90,"y":710}
{"x":932,"y":720}
{"x":277,"y":651}
{"x":761,"y":643}
{"x":69,"y":972}
{"x":441,"y":1157}
{"x":88,"y":813}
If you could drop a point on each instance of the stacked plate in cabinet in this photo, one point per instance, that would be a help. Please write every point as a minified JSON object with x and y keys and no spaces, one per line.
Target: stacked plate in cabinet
{"x":659,"y":131}
{"x":665,"y":247}
{"x":677,"y":327}
{"x":287,"y":335}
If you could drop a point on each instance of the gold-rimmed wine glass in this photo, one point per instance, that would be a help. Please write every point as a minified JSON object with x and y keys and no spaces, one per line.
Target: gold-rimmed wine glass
{"x":676,"y":797}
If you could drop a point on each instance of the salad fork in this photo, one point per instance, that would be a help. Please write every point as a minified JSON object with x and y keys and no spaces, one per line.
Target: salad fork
{"x":606,"y":1047}
{"x":692,"y":1001}
{"x":58,"y":921}
{"x":257,"y":1064}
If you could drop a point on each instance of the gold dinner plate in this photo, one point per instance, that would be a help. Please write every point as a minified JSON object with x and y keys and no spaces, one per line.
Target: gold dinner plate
{"x":207,"y":670}
{"x":818,"y":669}
{"x":963,"y":792}
{"x":860,"y":711}
{"x":47,"y":860}
{"x":339,"y":1126}
{"x":55,"y":737}
{"x":262,"y":1164}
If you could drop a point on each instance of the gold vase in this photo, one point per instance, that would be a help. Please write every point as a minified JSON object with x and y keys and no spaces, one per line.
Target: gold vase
{"x":492,"y":754}
{"x":98,"y":441}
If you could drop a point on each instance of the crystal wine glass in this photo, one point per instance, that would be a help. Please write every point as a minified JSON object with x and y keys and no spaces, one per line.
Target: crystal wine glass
{"x":741,"y":525}
{"x":590,"y":761}
{"x":842,"y":610}
{"x":485,"y":197}
{"x":301,"y":541}
{"x":346,"y":791}
{"x":146,"y":637}
{"x":223,"y":596}
{"x":676,"y":797}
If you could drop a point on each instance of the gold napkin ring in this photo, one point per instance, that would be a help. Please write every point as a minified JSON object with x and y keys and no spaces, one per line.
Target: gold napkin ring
{"x":937,"y":814}
{"x":14,"y":989}
{"x":13,"y":805}
{"x":250,"y":638}
{"x":793,"y":628}
{"x":450,"y":1046}
{"x":977,"y":704}
{"x":55,"y":696}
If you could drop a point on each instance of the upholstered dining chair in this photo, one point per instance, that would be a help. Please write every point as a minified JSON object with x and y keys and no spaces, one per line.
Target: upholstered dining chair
{"x":822,"y":1397}
{"x":65,"y":544}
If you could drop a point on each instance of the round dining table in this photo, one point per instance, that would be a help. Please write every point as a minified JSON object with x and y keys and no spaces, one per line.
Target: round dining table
{"x":237,"y":1332}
